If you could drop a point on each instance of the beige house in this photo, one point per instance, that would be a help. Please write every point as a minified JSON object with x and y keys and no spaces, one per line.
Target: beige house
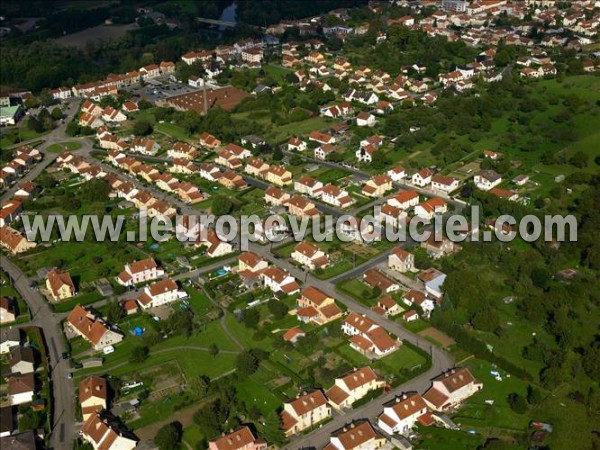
{"x":60,"y":285}
{"x":352,"y":387}
{"x":401,"y":260}
{"x":451,"y":388}
{"x":279,"y":176}
{"x":93,"y":329}
{"x":304,"y":412}
{"x":93,"y":395}
{"x":378,"y":186}
{"x":357,"y":436}
{"x":317,"y":307}
{"x":14,"y":241}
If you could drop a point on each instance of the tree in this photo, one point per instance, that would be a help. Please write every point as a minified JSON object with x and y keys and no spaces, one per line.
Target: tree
{"x":247,"y":363}
{"x":56,"y":113}
{"x":277,"y":308}
{"x":379,"y":160}
{"x":221,"y":205}
{"x":139,"y":354}
{"x":35,"y":125}
{"x":579,"y":160}
{"x":169,"y":436}
{"x":73,"y":129}
{"x":213,"y":349}
{"x":199,"y":385}
{"x":517,"y":403}
{"x":142,"y":128}
{"x":251,"y":318}
{"x":114,"y":311}
{"x":144,"y":104}
{"x":277,"y":154}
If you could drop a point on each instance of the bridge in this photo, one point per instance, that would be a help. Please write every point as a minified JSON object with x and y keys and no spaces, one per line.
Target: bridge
{"x":221,"y":23}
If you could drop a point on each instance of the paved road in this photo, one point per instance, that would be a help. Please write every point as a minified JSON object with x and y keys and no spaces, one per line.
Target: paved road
{"x":62,"y":421}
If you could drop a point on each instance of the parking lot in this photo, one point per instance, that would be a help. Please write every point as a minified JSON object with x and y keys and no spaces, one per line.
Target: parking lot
{"x":162,"y":88}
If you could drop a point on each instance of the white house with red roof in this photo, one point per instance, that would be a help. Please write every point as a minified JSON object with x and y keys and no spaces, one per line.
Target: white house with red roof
{"x":401,"y":260}
{"x":279,"y":280}
{"x":404,"y":199}
{"x":139,"y":272}
{"x":430,"y":207}
{"x":400,"y":415}
{"x":397,"y":173}
{"x":161,"y":293}
{"x":422,"y":178}
{"x":444,"y":184}
{"x":336,"y":196}
{"x":358,"y":435}
{"x":102,"y":435}
{"x":367,"y":337}
{"x":310,"y":256}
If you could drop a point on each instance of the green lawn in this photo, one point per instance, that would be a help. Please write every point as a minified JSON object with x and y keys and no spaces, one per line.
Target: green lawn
{"x":174,"y":131}
{"x":10,"y":135}
{"x":442,"y":439}
{"x":68,"y":146}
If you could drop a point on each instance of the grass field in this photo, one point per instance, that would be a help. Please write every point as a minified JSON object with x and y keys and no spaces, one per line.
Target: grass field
{"x":10,"y":135}
{"x":174,"y":131}
{"x":67,"y":146}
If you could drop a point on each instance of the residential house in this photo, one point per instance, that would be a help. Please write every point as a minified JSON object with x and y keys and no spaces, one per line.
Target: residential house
{"x":451,"y":388}
{"x":256,"y":167}
{"x":103,"y":434}
{"x":365,"y":119}
{"x":301,"y":207}
{"x":404,"y":200}
{"x":335,"y":196}
{"x":207,"y":140}
{"x":240,"y":439}
{"x":59,"y":284}
{"x":387,"y":306}
{"x":83,"y":322}
{"x":422,"y":178}
{"x":21,"y":388}
{"x":352,"y":387}
{"x":397,"y":173}
{"x":444,"y":184}
{"x":487,"y":179}
{"x":304,"y":412}
{"x":140,"y":272}
{"x":322,"y":152}
{"x":437,"y":248}
{"x":276,"y":196}
{"x":8,"y":310}
{"x":145,"y":146}
{"x":367,"y":337}
{"x":400,"y":415}
{"x":10,"y":212}
{"x":250,"y":261}
{"x":310,"y":256}
{"x":317,"y":307}
{"x":93,"y":395}
{"x":9,"y":337}
{"x":279,"y":280}
{"x":296,"y":144}
{"x":377,"y":186}
{"x":21,"y":360}
{"x":376,"y":279}
{"x":182,"y":150}
{"x":293,"y":335}
{"x":321,"y":138}
{"x":232,"y":180}
{"x":308,"y":185}
{"x":433,"y":281}
{"x":215,"y":246}
{"x":279,"y":176}
{"x":401,"y":260}
{"x":160,"y":293}
{"x":430,"y":207}
{"x":357,"y":436}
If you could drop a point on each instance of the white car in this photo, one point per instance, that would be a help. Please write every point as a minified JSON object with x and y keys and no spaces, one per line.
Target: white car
{"x":108,"y":350}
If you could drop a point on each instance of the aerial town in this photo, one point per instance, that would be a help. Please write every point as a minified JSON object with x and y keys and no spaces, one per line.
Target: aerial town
{"x":392,"y":112}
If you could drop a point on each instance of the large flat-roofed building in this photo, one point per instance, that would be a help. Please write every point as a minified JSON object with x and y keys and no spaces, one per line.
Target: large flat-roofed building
{"x":226,"y":98}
